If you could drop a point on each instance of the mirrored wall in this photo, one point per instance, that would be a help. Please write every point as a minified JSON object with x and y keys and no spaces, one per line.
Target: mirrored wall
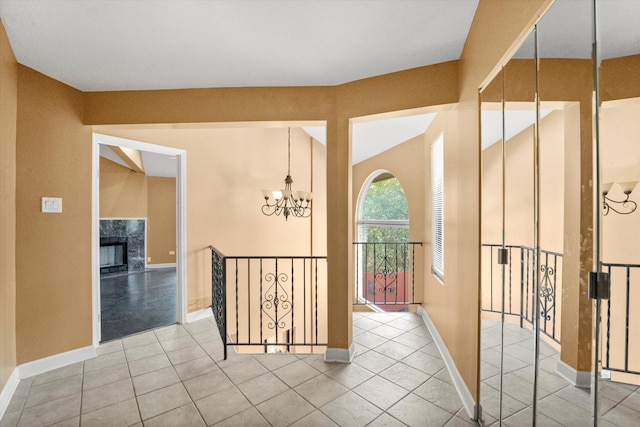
{"x":545,"y":149}
{"x":617,"y":145}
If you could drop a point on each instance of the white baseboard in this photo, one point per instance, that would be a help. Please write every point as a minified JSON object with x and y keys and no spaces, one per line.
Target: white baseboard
{"x":340,"y":355}
{"x":580,"y":379}
{"x":199,"y":315}
{"x":56,"y":361}
{"x":473,"y":409}
{"x":166,"y":265}
{"x":7,"y":391}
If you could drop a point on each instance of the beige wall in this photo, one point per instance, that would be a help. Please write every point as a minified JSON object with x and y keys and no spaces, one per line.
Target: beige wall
{"x":519,"y":187}
{"x":123,"y":192}
{"x":406,"y":162}
{"x":226,"y":169}
{"x":161,"y":223}
{"x":8,"y":111}
{"x":53,"y":251}
{"x":620,"y":132}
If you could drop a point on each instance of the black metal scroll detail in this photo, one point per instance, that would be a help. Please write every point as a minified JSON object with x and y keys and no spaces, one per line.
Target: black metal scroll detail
{"x":218,"y":292}
{"x":276,"y":304}
{"x":547,"y":291}
{"x":385,"y":272}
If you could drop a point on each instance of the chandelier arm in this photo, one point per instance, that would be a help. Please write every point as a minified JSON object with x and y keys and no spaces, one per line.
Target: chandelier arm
{"x":609,"y":204}
{"x":269,"y":210}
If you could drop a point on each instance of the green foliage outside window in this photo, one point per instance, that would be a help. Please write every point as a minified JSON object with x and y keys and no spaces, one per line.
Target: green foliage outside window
{"x":385,"y":200}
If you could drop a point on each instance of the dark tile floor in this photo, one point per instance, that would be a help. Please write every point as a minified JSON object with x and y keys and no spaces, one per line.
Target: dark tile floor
{"x":137,"y":302}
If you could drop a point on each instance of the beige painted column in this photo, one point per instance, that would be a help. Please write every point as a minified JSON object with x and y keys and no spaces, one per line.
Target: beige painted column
{"x":8,"y":114}
{"x":577,"y":319}
{"x":339,"y":241}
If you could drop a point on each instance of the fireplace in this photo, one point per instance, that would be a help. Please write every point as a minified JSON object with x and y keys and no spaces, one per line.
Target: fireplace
{"x":122,"y":245}
{"x":113,"y":254}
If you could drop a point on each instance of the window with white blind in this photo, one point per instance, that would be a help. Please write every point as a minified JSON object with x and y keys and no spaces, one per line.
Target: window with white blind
{"x":437,"y":203}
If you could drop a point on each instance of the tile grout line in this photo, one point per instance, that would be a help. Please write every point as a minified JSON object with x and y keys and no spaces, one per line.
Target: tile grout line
{"x":135,"y":396}
{"x":185,"y":387}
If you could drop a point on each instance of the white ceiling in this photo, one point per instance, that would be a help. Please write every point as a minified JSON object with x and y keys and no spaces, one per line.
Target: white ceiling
{"x":515,"y":121}
{"x":160,"y":44}
{"x":96,"y":45}
{"x":565,"y":31}
{"x":104,"y":45}
{"x":155,"y":164}
{"x":372,"y":138}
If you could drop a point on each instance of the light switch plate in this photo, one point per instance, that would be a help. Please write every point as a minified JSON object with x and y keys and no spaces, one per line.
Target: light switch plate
{"x":52,"y":204}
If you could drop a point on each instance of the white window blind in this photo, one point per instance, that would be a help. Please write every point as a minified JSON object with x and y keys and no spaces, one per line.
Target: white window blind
{"x":437,"y":203}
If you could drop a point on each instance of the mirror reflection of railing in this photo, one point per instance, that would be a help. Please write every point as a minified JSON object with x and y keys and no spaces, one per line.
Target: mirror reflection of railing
{"x":268,"y":304}
{"x":519,"y":298}
{"x":621,"y":329}
{"x":386,"y":274}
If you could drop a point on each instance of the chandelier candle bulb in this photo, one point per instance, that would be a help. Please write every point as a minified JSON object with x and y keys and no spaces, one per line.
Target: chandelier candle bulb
{"x":627,"y":187}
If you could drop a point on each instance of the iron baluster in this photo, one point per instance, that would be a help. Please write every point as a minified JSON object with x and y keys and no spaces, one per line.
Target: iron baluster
{"x":383,"y":270}
{"x":304,"y":299}
{"x":491,"y":277}
{"x":249,"y":297}
{"x":261,"y":302}
{"x":237,"y":305}
{"x":626,"y":326}
{"x":413,"y":273}
{"x":522,"y":293}
{"x":608,"y":325}
{"x":316,"y":300}
{"x":555,"y":293}
{"x":510,"y":298}
{"x":292,"y":301}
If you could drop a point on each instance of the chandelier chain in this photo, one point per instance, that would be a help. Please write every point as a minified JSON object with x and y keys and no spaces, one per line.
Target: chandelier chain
{"x":289,"y":152}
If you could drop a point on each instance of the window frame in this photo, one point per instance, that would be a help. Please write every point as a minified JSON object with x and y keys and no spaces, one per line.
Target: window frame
{"x":437,"y":208}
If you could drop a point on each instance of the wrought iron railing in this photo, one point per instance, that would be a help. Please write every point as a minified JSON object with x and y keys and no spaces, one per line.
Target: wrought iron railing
{"x":621,"y":330}
{"x":268,"y":303}
{"x":519,"y":297}
{"x":386,"y":274}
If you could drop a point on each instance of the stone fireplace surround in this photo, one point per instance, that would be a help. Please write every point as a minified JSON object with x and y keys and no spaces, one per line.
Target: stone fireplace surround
{"x":129,"y":230}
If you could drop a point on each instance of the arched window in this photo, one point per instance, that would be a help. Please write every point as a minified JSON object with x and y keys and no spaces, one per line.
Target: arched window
{"x":384,"y":213}
{"x":382,"y":250}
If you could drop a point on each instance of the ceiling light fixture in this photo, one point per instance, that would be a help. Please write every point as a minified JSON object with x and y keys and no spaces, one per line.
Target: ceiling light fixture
{"x":286,"y":201}
{"x":622,"y":207}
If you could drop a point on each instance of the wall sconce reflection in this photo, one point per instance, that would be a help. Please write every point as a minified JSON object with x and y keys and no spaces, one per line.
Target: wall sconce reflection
{"x":622,"y":207}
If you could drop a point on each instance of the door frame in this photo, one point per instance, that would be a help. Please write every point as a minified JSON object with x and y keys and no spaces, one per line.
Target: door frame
{"x":181,"y":223}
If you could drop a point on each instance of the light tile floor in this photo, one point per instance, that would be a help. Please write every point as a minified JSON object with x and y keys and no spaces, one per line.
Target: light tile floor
{"x":175,"y":376}
{"x":560,"y":403}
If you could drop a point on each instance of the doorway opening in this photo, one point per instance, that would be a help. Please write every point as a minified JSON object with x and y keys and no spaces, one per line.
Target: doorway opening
{"x":138,"y":237}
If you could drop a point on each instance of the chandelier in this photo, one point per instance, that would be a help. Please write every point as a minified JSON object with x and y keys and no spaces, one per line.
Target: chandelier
{"x":286,"y":201}
{"x":623,"y":207}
